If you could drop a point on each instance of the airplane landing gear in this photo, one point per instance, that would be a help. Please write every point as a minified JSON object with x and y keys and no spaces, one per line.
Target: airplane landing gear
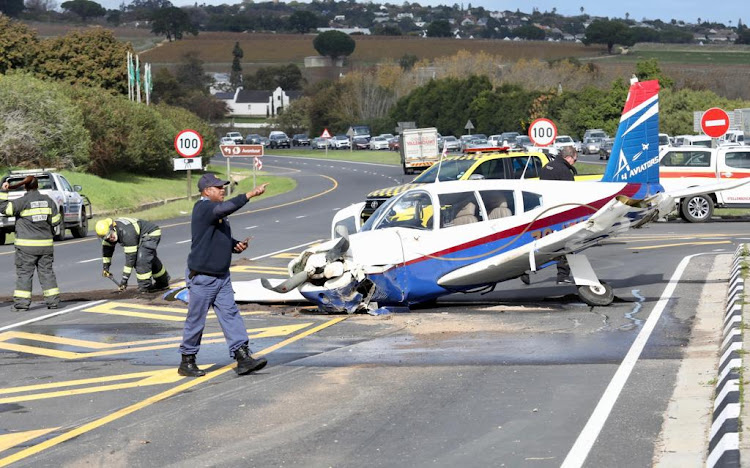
{"x":593,"y":295}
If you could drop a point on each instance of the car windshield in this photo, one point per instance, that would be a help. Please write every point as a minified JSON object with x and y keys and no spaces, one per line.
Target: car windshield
{"x":451,"y":169}
{"x":563,"y":140}
{"x":449,"y":138}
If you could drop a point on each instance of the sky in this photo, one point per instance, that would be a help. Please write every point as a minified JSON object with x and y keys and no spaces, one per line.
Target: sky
{"x":665,"y":10}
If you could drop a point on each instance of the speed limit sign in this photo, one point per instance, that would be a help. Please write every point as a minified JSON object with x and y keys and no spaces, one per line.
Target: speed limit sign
{"x":542,"y":132}
{"x":188,"y":143}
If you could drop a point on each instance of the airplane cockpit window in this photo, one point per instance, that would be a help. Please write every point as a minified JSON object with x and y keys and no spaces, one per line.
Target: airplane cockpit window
{"x":531,"y":200}
{"x":498,"y":203}
{"x":451,"y":169}
{"x":412,"y":210}
{"x":686,"y":159}
{"x":526,"y":166}
{"x":457,"y":209}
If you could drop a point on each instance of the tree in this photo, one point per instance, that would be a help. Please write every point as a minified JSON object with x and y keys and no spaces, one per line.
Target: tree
{"x":650,"y":70}
{"x":303,"y":21}
{"x":334,"y":44}
{"x":608,"y":32}
{"x":90,"y":57}
{"x":84,"y":8}
{"x":114,"y":17}
{"x":191,"y":75}
{"x":18,"y":44}
{"x":235,"y":77}
{"x":743,"y":36}
{"x":407,"y":61}
{"x":172,"y":22}
{"x":530,"y":32}
{"x":39,"y":125}
{"x":288,"y":77}
{"x":439,"y":28}
{"x":386,"y":30}
{"x":12,"y":8}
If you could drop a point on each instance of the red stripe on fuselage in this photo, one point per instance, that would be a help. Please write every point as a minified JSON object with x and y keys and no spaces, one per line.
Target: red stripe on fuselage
{"x":573,"y":213}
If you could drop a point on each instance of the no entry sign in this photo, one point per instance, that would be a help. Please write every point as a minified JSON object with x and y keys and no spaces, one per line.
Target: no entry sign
{"x":715,"y":122}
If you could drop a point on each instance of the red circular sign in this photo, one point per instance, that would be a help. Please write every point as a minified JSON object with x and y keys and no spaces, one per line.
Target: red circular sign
{"x":542,"y":132}
{"x":715,"y":122}
{"x":188,"y":143}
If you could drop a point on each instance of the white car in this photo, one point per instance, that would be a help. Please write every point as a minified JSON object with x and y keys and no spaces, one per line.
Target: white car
{"x":227,"y":141}
{"x":563,"y":141}
{"x":339,"y":142}
{"x":378,"y":143}
{"x":236,"y":136}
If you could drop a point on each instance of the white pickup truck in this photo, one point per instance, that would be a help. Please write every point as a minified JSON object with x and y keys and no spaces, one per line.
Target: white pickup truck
{"x":74,"y":207}
{"x":691,"y":166}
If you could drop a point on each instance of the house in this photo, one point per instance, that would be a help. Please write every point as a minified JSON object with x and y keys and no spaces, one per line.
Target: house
{"x":258,"y":103}
{"x":354,"y":30}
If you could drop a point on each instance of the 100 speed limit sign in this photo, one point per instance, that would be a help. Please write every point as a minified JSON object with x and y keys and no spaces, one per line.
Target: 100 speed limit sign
{"x":542,"y":132}
{"x":188,"y":143}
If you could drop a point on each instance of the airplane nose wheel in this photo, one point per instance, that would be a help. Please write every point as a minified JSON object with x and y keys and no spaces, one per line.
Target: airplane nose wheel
{"x":602,"y":295}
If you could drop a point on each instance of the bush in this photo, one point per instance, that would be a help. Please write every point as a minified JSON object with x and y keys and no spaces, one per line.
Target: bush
{"x":40,"y":125}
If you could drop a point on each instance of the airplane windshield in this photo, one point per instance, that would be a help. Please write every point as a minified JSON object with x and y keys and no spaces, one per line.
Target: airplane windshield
{"x":451,"y":169}
{"x":412,"y":210}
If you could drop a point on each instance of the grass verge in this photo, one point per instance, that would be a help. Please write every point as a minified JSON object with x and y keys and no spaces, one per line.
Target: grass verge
{"x":380,"y":157}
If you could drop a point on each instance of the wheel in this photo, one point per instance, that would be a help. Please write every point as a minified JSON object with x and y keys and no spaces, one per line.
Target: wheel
{"x":697,"y":209}
{"x":82,"y":229}
{"x":525,"y":279}
{"x":58,"y":233}
{"x":597,"y":295}
{"x":2,"y":237}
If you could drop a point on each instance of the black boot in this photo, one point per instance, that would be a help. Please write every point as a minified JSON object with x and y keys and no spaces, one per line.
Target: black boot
{"x":246,"y":363}
{"x":188,"y":368}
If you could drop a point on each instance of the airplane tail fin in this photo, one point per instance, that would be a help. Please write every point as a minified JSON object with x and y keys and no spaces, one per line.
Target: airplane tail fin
{"x":635,"y":152}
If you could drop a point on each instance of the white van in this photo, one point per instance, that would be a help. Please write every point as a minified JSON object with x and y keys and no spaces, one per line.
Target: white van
{"x":690,"y":166}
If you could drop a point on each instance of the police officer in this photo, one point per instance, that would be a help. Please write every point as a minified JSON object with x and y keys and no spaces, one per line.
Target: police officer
{"x":561,"y":168}
{"x":139,"y":239}
{"x":36,"y":214}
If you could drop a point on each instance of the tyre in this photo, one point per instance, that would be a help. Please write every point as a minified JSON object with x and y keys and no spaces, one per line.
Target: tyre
{"x":697,"y":209}
{"x":525,"y":279}
{"x":597,"y":295}
{"x":58,"y":233}
{"x":2,"y":237}
{"x":82,"y":229}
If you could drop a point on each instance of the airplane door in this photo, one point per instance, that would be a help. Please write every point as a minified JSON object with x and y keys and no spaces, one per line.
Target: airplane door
{"x":734,"y":164}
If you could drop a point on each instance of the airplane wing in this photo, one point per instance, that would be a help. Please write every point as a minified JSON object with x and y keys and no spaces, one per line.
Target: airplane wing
{"x":708,"y":188}
{"x":607,"y":221}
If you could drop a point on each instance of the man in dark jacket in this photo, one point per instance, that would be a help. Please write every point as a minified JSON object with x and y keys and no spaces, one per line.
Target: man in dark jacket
{"x":208,"y":280}
{"x":139,"y":239}
{"x":561,"y":168}
{"x":36,"y":214}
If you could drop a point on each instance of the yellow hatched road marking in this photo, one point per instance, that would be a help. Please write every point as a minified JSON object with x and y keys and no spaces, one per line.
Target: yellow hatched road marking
{"x":678,"y":244}
{"x":143,"y":379}
{"x":259,"y":269}
{"x":290,"y":255}
{"x":11,"y":440}
{"x":125,"y":309}
{"x":110,"y":349}
{"x":21,"y":454}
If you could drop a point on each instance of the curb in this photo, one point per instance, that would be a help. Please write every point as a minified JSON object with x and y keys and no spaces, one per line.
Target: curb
{"x":724,"y":436}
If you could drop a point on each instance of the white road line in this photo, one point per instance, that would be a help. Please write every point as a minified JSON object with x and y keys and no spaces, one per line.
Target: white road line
{"x":43,"y":317}
{"x":251,"y":227}
{"x":183,"y":242}
{"x":580,"y":450}
{"x":300,"y":217}
{"x":90,"y":260}
{"x":287,"y":249}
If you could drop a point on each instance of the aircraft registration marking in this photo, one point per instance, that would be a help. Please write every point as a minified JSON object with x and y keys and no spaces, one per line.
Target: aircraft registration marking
{"x":110,"y":349}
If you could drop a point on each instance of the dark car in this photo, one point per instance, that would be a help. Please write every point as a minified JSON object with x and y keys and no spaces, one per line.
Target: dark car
{"x":300,"y":139}
{"x":605,"y":148}
{"x":252,"y":139}
{"x":279,"y":141}
{"x":360,"y":143}
{"x":394,"y":144}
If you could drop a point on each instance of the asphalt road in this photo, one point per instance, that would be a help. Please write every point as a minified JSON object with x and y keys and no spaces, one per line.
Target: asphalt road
{"x":509,"y":378}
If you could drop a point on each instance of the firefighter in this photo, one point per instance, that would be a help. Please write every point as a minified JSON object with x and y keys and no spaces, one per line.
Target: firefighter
{"x":139,"y":239}
{"x":36,"y":215}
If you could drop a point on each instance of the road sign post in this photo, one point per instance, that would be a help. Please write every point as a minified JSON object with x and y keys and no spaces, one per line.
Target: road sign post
{"x":542,"y":132}
{"x":188,"y":144}
{"x":326,"y":134}
{"x":469,"y":127}
{"x":715,"y":123}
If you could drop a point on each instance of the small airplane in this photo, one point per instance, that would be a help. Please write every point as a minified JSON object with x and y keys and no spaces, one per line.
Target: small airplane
{"x":467,"y":236}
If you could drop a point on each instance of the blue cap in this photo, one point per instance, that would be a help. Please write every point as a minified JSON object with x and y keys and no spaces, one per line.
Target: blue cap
{"x":210,"y":180}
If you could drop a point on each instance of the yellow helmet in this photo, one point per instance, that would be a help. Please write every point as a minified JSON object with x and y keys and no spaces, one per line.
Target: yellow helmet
{"x":103,"y":226}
